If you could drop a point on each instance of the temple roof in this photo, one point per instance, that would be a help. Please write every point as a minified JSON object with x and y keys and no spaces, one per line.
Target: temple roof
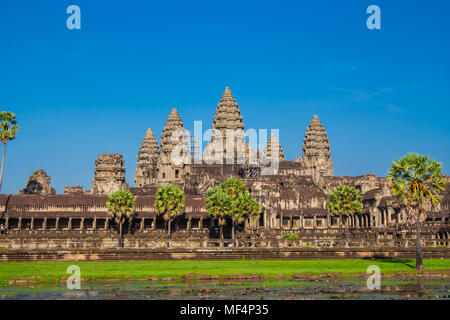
{"x":228,"y":115}
{"x":173,"y":123}
{"x":274,"y":144}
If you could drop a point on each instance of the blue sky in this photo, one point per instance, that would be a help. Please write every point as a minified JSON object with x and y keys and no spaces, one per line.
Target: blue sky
{"x":79,"y":93}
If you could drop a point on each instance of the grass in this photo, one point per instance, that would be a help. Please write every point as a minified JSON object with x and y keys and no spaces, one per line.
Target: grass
{"x":54,"y":271}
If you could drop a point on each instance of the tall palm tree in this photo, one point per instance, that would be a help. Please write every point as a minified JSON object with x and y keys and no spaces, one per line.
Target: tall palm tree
{"x":344,"y":201}
{"x":241,"y":204}
{"x":237,"y":190}
{"x":8,"y":130}
{"x":245,"y":206}
{"x":120,"y":206}
{"x":417,"y":182}
{"x":218,"y":204}
{"x":169,"y":201}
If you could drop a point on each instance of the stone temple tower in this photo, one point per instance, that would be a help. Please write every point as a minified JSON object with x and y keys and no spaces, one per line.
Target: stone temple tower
{"x":228,"y":117}
{"x":147,"y":161}
{"x":274,"y":144}
{"x":167,"y":171}
{"x":109,"y":174}
{"x":316,"y":150}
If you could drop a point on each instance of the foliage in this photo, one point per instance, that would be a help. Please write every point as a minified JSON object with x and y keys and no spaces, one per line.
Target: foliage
{"x":417,"y":180}
{"x":8,"y":130}
{"x":169,"y":201}
{"x":8,"y":126}
{"x":290,"y":236}
{"x":231,"y":199}
{"x":218,"y":203}
{"x":120,"y":205}
{"x":345,"y":200}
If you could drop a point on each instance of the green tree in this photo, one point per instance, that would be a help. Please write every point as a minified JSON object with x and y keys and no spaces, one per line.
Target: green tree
{"x":344,"y":201}
{"x":170,"y":203}
{"x":120,"y":206}
{"x":8,"y":130}
{"x":417,"y":181}
{"x":240,"y":204}
{"x":218,"y":204}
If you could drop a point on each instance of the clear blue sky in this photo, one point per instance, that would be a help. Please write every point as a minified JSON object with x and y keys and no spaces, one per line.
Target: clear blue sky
{"x":79,"y":93}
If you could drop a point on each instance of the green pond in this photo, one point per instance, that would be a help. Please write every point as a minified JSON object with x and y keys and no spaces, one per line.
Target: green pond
{"x":326,"y":288}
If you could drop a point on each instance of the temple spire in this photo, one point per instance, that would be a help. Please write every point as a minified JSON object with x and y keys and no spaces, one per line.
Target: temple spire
{"x":228,"y":115}
{"x":173,"y":123}
{"x":228,"y":120}
{"x":147,"y":160}
{"x":316,"y":148}
{"x":272,"y":145}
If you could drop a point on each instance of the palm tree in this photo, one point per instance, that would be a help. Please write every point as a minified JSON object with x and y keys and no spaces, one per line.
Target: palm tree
{"x":169,"y":202}
{"x":245,"y":206}
{"x":344,"y":201}
{"x":417,"y":182}
{"x":8,"y":130}
{"x":218,"y":204}
{"x":120,"y":206}
{"x":241,"y":204}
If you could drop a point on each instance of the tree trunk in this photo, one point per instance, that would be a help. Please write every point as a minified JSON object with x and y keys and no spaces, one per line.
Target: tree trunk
{"x":169,"y":226}
{"x":120,"y":235}
{"x":221,"y":232}
{"x":233,"y":236}
{"x":3,"y":165}
{"x":419,"y":262}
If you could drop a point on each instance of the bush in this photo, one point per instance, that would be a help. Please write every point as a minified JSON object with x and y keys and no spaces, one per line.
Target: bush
{"x":290,"y":236}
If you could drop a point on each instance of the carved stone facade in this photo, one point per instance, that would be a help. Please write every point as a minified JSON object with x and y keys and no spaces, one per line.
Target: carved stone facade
{"x":273,"y":148}
{"x":173,"y":134}
{"x":109,"y":174}
{"x":293,"y":198}
{"x":316,"y":150}
{"x":76,"y":190}
{"x":38,"y":183}
{"x":146,"y":170}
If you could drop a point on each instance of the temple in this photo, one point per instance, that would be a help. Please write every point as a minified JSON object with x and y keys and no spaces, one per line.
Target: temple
{"x":293,"y":195}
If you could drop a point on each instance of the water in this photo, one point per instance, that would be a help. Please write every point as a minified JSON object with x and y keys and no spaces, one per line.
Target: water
{"x":297,"y":289}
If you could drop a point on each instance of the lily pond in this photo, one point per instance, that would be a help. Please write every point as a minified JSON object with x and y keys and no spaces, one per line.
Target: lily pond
{"x":286,"y":289}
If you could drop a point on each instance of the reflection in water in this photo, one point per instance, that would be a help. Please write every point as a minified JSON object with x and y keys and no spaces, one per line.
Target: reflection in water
{"x":326,"y":288}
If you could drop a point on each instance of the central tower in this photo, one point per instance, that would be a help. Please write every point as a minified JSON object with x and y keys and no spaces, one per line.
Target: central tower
{"x":228,"y":129}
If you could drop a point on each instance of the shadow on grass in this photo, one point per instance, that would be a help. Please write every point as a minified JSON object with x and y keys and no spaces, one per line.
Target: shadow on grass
{"x":409,"y":263}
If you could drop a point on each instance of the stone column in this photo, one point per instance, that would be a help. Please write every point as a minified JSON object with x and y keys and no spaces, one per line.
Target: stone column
{"x":281,"y":221}
{"x":94,"y":223}
{"x":6,"y":223}
{"x":19,"y":223}
{"x":44,"y":225}
{"x":141,"y":227}
{"x":314,"y":222}
{"x":82,"y":224}
{"x":154,"y":223}
{"x":291,"y":223}
{"x":69,"y":224}
{"x":106,"y":223}
{"x":57,"y":223}
{"x":31,"y":224}
{"x":189,"y":224}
